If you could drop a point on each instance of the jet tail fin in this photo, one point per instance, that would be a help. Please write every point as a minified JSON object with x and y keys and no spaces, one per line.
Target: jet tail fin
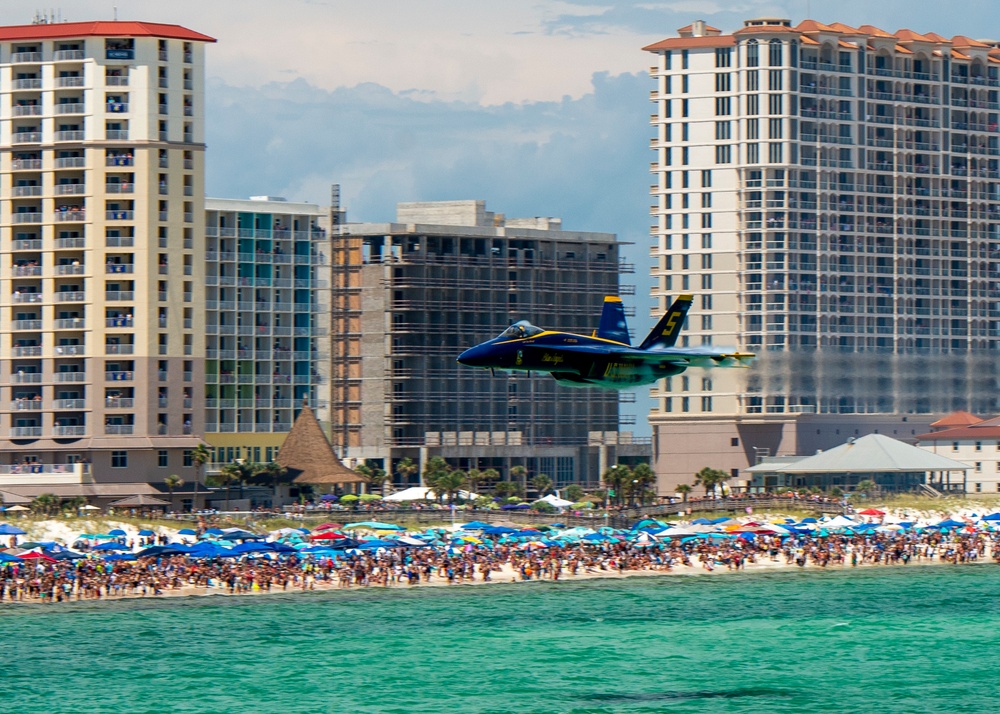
{"x":613,"y":325}
{"x":669,"y":327}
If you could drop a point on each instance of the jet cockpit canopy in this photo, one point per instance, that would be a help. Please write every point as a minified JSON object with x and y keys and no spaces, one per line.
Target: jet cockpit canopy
{"x":520,"y":330}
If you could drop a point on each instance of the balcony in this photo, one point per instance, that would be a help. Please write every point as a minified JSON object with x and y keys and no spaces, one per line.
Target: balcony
{"x":26,"y":405}
{"x":117,"y":107}
{"x":70,"y":323}
{"x":119,"y":429}
{"x":21,"y":377}
{"x":119,"y":376}
{"x":119,"y":161}
{"x":119,"y":402}
{"x":69,"y":81}
{"x":116,"y":134}
{"x":119,"y":241}
{"x":66,"y":377}
{"x":114,"y":81}
{"x":22,"y":191}
{"x":71,"y":296}
{"x":74,"y":430}
{"x":26,"y":164}
{"x":119,"y":295}
{"x":28,"y":83}
{"x":118,"y":349}
{"x":69,"y":404}
{"x":23,"y":57}
{"x":119,"y":268}
{"x":26,"y":297}
{"x":71,"y":162}
{"x":119,"y":187}
{"x":25,"y":432}
{"x":21,"y":271}
{"x":70,"y":350}
{"x":75,"y":269}
{"x":26,"y":325}
{"x":28,"y":110}
{"x":70,"y":216}
{"x":63,"y":55}
{"x":118,"y":322}
{"x":70,"y":189}
{"x":27,"y":351}
{"x":74,"y":135}
{"x":50,"y":474}
{"x":27,"y":217}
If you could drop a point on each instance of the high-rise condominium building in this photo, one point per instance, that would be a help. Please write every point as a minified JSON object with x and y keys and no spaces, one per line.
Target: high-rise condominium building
{"x":102,"y":269}
{"x":409,"y":296}
{"x":831,"y":194}
{"x":264,"y":320}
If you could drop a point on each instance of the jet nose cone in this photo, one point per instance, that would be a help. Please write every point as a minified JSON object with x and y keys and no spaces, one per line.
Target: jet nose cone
{"x":475,"y":357}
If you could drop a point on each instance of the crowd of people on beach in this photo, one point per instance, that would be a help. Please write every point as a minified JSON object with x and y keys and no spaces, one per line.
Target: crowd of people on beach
{"x":42,"y":579}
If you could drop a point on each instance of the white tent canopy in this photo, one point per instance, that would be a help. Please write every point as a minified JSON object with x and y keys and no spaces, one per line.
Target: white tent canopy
{"x":422,"y":493}
{"x":556,"y":501}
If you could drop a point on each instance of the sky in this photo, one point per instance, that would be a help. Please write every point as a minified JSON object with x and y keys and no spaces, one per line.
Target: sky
{"x":539,"y":107}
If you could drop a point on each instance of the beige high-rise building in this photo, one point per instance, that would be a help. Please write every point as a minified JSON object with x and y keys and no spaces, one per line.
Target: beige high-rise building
{"x":832,"y":196}
{"x":102,"y":270}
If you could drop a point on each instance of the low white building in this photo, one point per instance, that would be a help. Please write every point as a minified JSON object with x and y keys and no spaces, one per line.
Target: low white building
{"x":973,"y":441}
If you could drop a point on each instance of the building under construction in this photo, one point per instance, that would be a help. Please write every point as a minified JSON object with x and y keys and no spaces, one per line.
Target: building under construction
{"x":409,"y":296}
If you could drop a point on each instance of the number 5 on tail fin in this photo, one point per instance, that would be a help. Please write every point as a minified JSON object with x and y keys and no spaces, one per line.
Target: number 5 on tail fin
{"x":669,"y":327}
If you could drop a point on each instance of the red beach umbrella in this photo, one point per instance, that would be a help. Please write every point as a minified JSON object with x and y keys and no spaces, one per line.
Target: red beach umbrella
{"x":327,"y":536}
{"x":871,"y":512}
{"x":35,"y":555}
{"x":328,"y":527}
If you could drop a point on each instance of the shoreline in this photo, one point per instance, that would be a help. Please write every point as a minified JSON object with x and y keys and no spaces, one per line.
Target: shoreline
{"x":506,"y":577}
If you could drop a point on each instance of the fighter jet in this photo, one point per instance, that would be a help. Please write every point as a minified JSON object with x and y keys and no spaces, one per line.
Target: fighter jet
{"x":604,"y":359}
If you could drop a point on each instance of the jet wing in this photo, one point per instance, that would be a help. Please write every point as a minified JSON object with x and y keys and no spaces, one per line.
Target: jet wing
{"x":696,"y":356}
{"x":614,"y":352}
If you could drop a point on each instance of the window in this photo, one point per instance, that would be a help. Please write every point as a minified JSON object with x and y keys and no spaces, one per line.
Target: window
{"x":723,"y":82}
{"x":706,"y":182}
{"x":723,"y":106}
{"x":684,"y":180}
{"x":706,"y":302}
{"x":684,"y":156}
{"x":734,"y":442}
{"x":753,"y":104}
{"x":979,"y":466}
{"x":706,"y":324}
{"x":753,"y":128}
{"x":954,"y":446}
{"x":753,"y":54}
{"x":189,"y":458}
{"x":774,"y":128}
{"x":666,"y":58}
{"x":706,"y":261}
{"x":753,"y":81}
{"x":776,"y":54}
{"x":723,"y":57}
{"x":119,"y":459}
{"x":684,"y":132}
{"x":706,"y":282}
{"x":723,"y":130}
{"x":685,"y":404}
{"x":706,"y":220}
{"x":706,"y":384}
{"x":684,"y":59}
{"x":774,"y":153}
{"x":706,"y":404}
{"x":684,"y":84}
{"x":668,"y":406}
{"x":979,"y":446}
{"x":774,"y":80}
{"x":163,"y":459}
{"x":706,"y":240}
{"x":668,"y":85}
{"x":753,"y":153}
{"x":774,"y":103}
{"x":723,"y":154}
{"x":706,"y":200}
{"x":684,"y":107}
{"x":685,"y":261}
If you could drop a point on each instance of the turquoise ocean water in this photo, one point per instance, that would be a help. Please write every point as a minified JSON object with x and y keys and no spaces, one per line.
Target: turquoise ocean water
{"x":902,"y":639}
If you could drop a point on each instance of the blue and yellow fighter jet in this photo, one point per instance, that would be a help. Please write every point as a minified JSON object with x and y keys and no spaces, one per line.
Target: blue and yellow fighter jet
{"x":606,"y":358}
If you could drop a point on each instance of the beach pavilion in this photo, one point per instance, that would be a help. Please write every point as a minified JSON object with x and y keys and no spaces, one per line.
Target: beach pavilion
{"x":310,"y":459}
{"x":891,"y":464}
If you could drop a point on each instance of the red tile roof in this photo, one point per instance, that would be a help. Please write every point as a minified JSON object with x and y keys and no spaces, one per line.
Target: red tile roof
{"x":690,"y":28}
{"x":100,"y":29}
{"x":959,"y":418}
{"x":683,"y":43}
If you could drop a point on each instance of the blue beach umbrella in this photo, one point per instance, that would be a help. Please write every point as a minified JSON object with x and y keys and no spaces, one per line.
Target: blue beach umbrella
{"x":113,"y":557}
{"x":110,"y":547}
{"x":117,"y":532}
{"x":5,"y":558}
{"x":145,"y":533}
{"x":187,"y":531}
{"x":7,"y":529}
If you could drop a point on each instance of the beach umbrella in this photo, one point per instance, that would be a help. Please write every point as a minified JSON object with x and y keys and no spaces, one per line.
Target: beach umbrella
{"x":7,"y":558}
{"x":992,"y":517}
{"x":145,"y":533}
{"x":328,"y":527}
{"x":871,"y":512}
{"x":117,"y":533}
{"x":475,"y":526}
{"x":18,"y":509}
{"x":7,"y":529}
{"x":375,"y":526}
{"x":327,"y":536}
{"x":213,"y":531}
{"x":88,"y":507}
{"x":35,"y":555}
{"x":162,"y":550}
{"x":110,"y":546}
{"x":187,"y":531}
{"x":113,"y":557}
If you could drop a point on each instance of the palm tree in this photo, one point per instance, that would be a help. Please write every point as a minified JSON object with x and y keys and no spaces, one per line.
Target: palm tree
{"x":506,"y":489}
{"x":434,"y":469}
{"x":543,"y":484}
{"x":226,"y":477}
{"x":684,"y":489}
{"x":574,"y":493}
{"x":710,"y":478}
{"x":45,"y":503}
{"x":617,"y":478}
{"x":272,"y":473}
{"x":643,"y":477}
{"x":866,"y":487}
{"x":474,"y":477}
{"x":171,"y":482}
{"x":450,"y":483}
{"x":373,"y":476}
{"x":200,"y":455}
{"x":490,"y":477}
{"x":519,"y":475}
{"x":405,"y":467}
